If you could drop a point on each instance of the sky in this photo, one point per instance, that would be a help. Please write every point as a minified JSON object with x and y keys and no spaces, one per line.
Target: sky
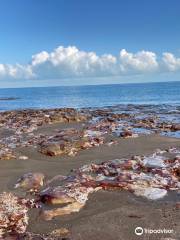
{"x":77,"y":42}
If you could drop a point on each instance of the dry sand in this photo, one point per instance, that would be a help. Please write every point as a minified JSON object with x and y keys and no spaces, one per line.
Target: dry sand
{"x":108,"y":215}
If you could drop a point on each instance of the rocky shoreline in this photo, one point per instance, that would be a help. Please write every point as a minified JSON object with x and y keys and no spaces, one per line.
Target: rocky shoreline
{"x":62,"y":136}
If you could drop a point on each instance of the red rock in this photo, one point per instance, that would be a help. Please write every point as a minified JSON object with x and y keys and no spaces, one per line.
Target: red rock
{"x":175,"y":127}
{"x":52,"y":149}
{"x":126,"y":134}
{"x":31,"y":181}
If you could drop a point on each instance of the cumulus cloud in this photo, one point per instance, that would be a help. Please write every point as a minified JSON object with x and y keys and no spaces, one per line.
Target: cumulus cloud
{"x":69,"y":62}
{"x":39,"y":58}
{"x":143,"y":61}
{"x":171,"y":62}
{"x":16,"y":71}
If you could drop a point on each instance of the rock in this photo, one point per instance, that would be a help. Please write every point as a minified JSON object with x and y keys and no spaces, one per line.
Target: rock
{"x":126,"y":134}
{"x":154,"y":161}
{"x":175,"y":127}
{"x":151,"y":193}
{"x":70,"y":208}
{"x":7,"y":154}
{"x":177,"y":205}
{"x":30,"y":181}
{"x":60,"y":232}
{"x":55,"y":195}
{"x":13,"y":214}
{"x":52,"y":149}
{"x":28,"y":120}
{"x":82,"y":144}
{"x":149,"y":176}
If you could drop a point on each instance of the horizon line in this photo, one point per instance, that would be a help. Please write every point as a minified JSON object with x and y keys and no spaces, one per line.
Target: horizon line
{"x":86,"y":85}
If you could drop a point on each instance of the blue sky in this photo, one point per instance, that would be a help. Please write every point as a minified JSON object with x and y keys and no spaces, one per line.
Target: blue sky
{"x":141,"y":27}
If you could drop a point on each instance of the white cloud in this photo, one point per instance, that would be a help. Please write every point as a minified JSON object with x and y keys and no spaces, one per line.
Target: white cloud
{"x":171,"y":62}
{"x":143,"y":61}
{"x":70,"y":62}
{"x":16,"y":71}
{"x":39,"y":58}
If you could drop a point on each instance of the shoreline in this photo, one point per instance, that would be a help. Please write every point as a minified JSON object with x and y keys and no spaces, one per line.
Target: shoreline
{"x":171,"y":104}
{"x":117,"y":212}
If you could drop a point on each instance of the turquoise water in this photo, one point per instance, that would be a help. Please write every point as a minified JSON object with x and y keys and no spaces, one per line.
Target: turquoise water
{"x":91,"y":96}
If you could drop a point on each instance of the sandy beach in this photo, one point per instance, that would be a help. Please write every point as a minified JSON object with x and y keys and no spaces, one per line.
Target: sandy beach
{"x":89,"y":120}
{"x":107,"y":215}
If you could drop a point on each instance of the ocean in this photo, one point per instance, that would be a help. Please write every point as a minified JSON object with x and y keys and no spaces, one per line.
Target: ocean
{"x":90,"y":96}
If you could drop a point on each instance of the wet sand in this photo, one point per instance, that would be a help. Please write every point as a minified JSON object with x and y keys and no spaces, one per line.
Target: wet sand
{"x":107,"y":215}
